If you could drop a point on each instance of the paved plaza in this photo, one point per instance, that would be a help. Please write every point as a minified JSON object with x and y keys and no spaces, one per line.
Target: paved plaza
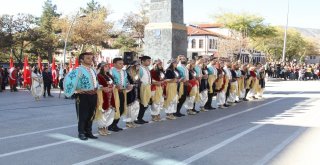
{"x":282,"y":128}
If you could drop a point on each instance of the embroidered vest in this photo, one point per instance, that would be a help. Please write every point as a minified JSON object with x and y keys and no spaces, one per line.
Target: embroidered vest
{"x":118,"y":79}
{"x":79,"y":79}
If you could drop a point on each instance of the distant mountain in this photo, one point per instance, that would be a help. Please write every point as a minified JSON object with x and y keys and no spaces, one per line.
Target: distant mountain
{"x":309,"y":33}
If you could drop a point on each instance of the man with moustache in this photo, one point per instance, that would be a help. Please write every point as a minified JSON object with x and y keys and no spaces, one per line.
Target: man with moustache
{"x":83,"y":82}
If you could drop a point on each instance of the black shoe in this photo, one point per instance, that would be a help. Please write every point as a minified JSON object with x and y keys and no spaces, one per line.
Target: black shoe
{"x":117,"y":128}
{"x":226,"y":105}
{"x":50,"y":96}
{"x":195,"y":111}
{"x":139,"y":121}
{"x":209,"y":108}
{"x":245,"y":99}
{"x":112,"y":128}
{"x":145,"y":121}
{"x":82,"y":137}
{"x":181,"y":114}
{"x":178,"y":114}
{"x":237,"y":102}
{"x":91,"y":136}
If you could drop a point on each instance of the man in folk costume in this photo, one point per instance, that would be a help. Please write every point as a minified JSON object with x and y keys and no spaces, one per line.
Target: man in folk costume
{"x":83,"y":82}
{"x":171,"y":89}
{"x":254,"y":82}
{"x":228,"y":76}
{"x":1,"y":77}
{"x":13,"y":76}
{"x":241,"y":82}
{"x":233,"y":96}
{"x":202,"y":76}
{"x":262,"y":82}
{"x":257,"y":88}
{"x":105,"y":112}
{"x":247,"y":80}
{"x":183,"y":85}
{"x":221,"y":84}
{"x":212,"y":76}
{"x":119,"y":101}
{"x":145,"y":87}
{"x":158,"y":77}
{"x":193,"y":89}
{"x":133,"y":103}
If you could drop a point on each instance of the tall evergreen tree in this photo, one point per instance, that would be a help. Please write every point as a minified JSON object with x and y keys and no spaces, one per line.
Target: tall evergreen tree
{"x":49,"y":40}
{"x":92,"y":6}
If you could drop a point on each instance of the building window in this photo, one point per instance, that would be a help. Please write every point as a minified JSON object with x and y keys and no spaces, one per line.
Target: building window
{"x":193,"y":43}
{"x":211,"y":44}
{"x":215,"y":44}
{"x":200,"y":43}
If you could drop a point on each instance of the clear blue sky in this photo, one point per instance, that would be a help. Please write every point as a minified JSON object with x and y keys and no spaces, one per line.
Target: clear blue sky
{"x":303,"y":13}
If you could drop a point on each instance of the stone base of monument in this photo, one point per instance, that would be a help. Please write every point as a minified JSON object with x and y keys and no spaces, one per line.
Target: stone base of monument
{"x":165,"y":41}
{"x":165,"y":37}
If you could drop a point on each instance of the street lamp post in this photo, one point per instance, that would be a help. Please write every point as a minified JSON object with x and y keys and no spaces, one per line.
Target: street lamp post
{"x":285,"y":36}
{"x":66,"y":41}
{"x":67,"y":36}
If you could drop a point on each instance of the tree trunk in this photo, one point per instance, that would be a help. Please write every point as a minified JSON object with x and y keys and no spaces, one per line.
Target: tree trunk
{"x":50,"y":55}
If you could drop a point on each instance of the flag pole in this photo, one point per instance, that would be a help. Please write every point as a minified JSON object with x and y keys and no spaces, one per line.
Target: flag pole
{"x":285,"y":36}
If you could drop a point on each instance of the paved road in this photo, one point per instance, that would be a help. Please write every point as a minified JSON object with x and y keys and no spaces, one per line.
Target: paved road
{"x":282,"y":128}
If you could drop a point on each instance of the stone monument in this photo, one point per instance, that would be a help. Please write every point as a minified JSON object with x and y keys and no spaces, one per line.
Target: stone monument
{"x":166,"y":34}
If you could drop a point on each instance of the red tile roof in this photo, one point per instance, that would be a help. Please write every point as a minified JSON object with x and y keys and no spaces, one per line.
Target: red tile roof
{"x":197,"y":31}
{"x":212,"y":25}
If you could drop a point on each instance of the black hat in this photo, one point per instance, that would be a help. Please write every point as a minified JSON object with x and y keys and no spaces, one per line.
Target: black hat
{"x":143,"y":58}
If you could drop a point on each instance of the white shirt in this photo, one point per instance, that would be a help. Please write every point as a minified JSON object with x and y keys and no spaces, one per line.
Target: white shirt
{"x":146,"y":77}
{"x":94,"y":78}
{"x":228,"y":72}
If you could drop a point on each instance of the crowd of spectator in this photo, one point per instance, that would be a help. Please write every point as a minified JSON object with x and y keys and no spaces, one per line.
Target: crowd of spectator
{"x":293,"y":71}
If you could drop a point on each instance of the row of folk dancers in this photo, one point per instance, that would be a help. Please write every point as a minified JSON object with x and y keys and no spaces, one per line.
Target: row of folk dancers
{"x":129,"y":92}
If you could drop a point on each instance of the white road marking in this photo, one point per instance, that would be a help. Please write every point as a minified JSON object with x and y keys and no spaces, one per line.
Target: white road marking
{"x":171,"y":135}
{"x":35,"y":148}
{"x":147,"y":157}
{"x":218,"y":146}
{"x":280,"y":147}
{"x":141,"y":144}
{"x":36,"y":132}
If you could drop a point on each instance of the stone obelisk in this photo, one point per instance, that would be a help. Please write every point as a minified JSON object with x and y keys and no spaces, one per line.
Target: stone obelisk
{"x":166,"y":34}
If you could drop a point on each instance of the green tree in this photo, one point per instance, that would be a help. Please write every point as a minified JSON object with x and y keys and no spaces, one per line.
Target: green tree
{"x":19,"y":33}
{"x":49,"y":39}
{"x":297,"y":46}
{"x":125,"y":43}
{"x":92,"y":6}
{"x":248,"y":25}
{"x":91,"y":31}
{"x":6,"y":36}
